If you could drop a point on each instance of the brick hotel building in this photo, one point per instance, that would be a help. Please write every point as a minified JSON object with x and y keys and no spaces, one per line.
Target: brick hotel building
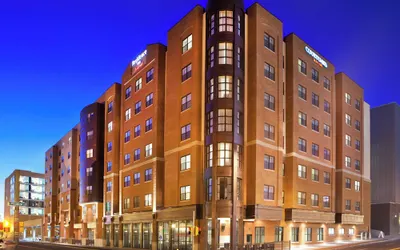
{"x":232,"y":134}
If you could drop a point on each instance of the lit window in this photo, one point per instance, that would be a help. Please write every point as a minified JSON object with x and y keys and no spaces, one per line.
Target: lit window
{"x":128,"y":114}
{"x":89,"y":153}
{"x":110,"y":107}
{"x":295,"y":234}
{"x":226,"y":21}
{"x":331,"y":231}
{"x":187,"y":43}
{"x":89,"y":171}
{"x":136,"y":202}
{"x":239,"y":25}
{"x":302,"y":66}
{"x":348,"y":140}
{"x":327,"y":154}
{"x":347,"y":162}
{"x":210,"y":90}
{"x":109,"y":166}
{"x":302,"y":171}
{"x":308,"y":234}
{"x":127,"y":181}
{"x":185,"y":162}
{"x":138,"y":85}
{"x":185,"y":132}
{"x":269,"y":131}
{"x":149,"y":149}
{"x":149,"y":99}
{"x":127,"y":203}
{"x":225,"y":53}
{"x":320,"y":234}
{"x":89,"y":135}
{"x":186,"y":72}
{"x":209,"y":189}
{"x":225,"y":87}
{"x":211,"y":57}
{"x":110,"y":126}
{"x":348,"y":206}
{"x":136,"y":178}
{"x":269,"y":42}
{"x":224,"y":120}
{"x":209,"y":156}
{"x":269,"y":71}
{"x":327,"y":178}
{"x":315,"y":200}
{"x":301,"y":198}
{"x":327,"y":107}
{"x":357,"y":186}
{"x":127,"y":136}
{"x":351,"y":231}
{"x":109,"y":186}
{"x":327,"y":201}
{"x":212,"y":25}
{"x":347,"y":98}
{"x":315,"y":174}
{"x":148,"y":200}
{"x":341,"y":231}
{"x":224,"y":154}
{"x":109,"y":146}
{"x":348,"y":119}
{"x":327,"y":130}
{"x":89,"y":189}
{"x":302,"y":119}
{"x":210,"y":122}
{"x":269,"y":192}
{"x":185,"y":193}
{"x":186,"y":102}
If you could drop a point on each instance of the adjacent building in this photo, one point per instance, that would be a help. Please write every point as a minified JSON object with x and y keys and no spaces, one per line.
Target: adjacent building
{"x":385,"y":156}
{"x":232,"y":130}
{"x":24,"y":203}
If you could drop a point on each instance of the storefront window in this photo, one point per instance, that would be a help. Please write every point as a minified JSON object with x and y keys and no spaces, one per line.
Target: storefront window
{"x":127,"y":235}
{"x":147,"y":235}
{"x":108,"y":235}
{"x":116,"y":235}
{"x":174,"y":235}
{"x":136,"y":235}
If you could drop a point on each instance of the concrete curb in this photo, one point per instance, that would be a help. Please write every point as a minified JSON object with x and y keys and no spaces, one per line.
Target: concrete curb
{"x":364,"y":243}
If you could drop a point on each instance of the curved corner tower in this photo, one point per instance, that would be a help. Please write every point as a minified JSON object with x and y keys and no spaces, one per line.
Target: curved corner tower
{"x":92,"y":153}
{"x":224,"y":113}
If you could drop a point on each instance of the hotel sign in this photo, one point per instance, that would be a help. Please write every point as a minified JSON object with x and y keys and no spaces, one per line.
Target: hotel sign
{"x":139,"y":61}
{"x":316,"y":57}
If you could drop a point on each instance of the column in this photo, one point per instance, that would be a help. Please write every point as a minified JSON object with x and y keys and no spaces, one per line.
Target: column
{"x":104,"y":234}
{"x":34,"y":233}
{"x":112,"y":234}
{"x":154,"y":236}
{"x":241,"y":232}
{"x":121,"y":234}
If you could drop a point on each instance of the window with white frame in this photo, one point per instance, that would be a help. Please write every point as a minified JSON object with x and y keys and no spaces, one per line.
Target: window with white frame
{"x":128,"y":114}
{"x":348,"y":140}
{"x":138,"y":85}
{"x":148,"y":201}
{"x":302,"y":119}
{"x":347,"y":162}
{"x":187,"y":43}
{"x":327,"y":130}
{"x":357,"y":186}
{"x":185,"y":162}
{"x":331,"y":231}
{"x":110,"y":126}
{"x":301,"y":198}
{"x":302,"y":145}
{"x":327,"y":201}
{"x":225,"y":21}
{"x":185,"y":193}
{"x":302,"y":171}
{"x":89,"y":153}
{"x":269,"y":131}
{"x":348,"y":119}
{"x":137,"y":131}
{"x":224,"y":86}
{"x":149,"y":149}
{"x":351,"y":231}
{"x":347,"y":98}
{"x":225,"y":53}
{"x":224,"y":154}
{"x":341,"y":231}
{"x":149,"y":99}
{"x":315,"y":200}
{"x":315,"y":174}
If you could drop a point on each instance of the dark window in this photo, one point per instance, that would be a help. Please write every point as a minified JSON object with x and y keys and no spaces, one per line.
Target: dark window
{"x":269,"y":101}
{"x":269,"y":131}
{"x":224,"y":188}
{"x":209,"y":189}
{"x":327,"y":178}
{"x":128,"y":92}
{"x":186,"y":72}
{"x":110,"y":107}
{"x":127,"y":136}
{"x":186,"y":102}
{"x":315,"y":99}
{"x":358,"y":105}
{"x":269,"y":192}
{"x":327,"y":84}
{"x":185,"y":132}
{"x":302,"y":66}
{"x":327,"y":201}
{"x":358,"y":125}
{"x":269,"y":71}
{"x":137,"y":131}
{"x":138,"y":107}
{"x":315,"y":149}
{"x":315,"y":125}
{"x":127,"y":181}
{"x":295,"y":234}
{"x":357,"y":165}
{"x":327,"y":154}
{"x":357,"y":206}
{"x":315,"y":75}
{"x":149,"y":124}
{"x":308,"y":234}
{"x":327,"y":107}
{"x":212,"y":25}
{"x":109,"y":186}
{"x":149,"y":75}
{"x":348,"y":205}
{"x":149,"y":99}
{"x":302,"y":145}
{"x":136,"y":155}
{"x":302,"y":92}
{"x":301,"y":198}
{"x":127,"y":159}
{"x":210,"y":90}
{"x":269,"y":42}
{"x":210,"y":122}
{"x":109,"y":166}
{"x":148,"y":174}
{"x":320,"y":234}
{"x":269,"y":162}
{"x":211,"y":57}
{"x":109,"y":146}
{"x":348,"y":183}
{"x":136,"y":202}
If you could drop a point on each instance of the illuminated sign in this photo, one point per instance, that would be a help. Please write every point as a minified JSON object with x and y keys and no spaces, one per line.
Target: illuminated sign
{"x":316,"y":57}
{"x":139,"y":59}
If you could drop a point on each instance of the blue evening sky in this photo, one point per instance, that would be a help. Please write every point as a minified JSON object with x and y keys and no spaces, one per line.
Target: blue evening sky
{"x":58,"y":56}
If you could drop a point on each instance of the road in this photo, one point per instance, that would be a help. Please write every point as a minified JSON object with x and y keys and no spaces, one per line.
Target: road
{"x":385,"y":245}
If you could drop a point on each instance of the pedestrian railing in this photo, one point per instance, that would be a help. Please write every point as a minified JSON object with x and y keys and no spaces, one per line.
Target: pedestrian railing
{"x":64,"y":241}
{"x":285,"y":245}
{"x":76,"y":242}
{"x":89,"y":242}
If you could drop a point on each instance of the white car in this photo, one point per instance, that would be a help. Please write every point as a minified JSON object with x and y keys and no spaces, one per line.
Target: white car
{"x":2,"y":244}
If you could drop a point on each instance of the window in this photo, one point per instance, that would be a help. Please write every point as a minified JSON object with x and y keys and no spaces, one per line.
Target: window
{"x":110,"y":126}
{"x":186,"y":72}
{"x":301,"y":198}
{"x":224,"y":154}
{"x":210,"y":122}
{"x":110,"y":107}
{"x":148,"y":174}
{"x":327,"y":84}
{"x":89,"y":153}
{"x":136,"y":178}
{"x":149,"y":75}
{"x":89,"y":190}
{"x":269,"y":162}
{"x":331,"y":231}
{"x":128,"y":92}
{"x":269,"y":71}
{"x":320,"y":234}
{"x":138,"y":85}
{"x":224,"y":120}
{"x":351,"y":231}
{"x":136,"y":154}
{"x":136,"y":202}
{"x":138,"y":107}
{"x":357,"y":165}
{"x":308,"y":234}
{"x":185,"y":162}
{"x":185,"y":193}
{"x":239,"y":25}
{"x":327,"y":154}
{"x":341,"y":231}
{"x":348,"y":205}
{"x":148,"y":200}
{"x":347,"y":98}
{"x":109,"y":166}
{"x":348,"y":119}
{"x":185,"y":132}
{"x":269,"y":42}
{"x":327,"y":107}
{"x":127,"y":181}
{"x":225,"y":21}
{"x":269,"y":131}
{"x":212,"y":25}
{"x":269,"y":101}
{"x":137,"y":131}
{"x":149,"y":125}
{"x":89,"y":171}
{"x":127,"y":136}
{"x":128,"y":114}
{"x":209,"y":156}
{"x":348,"y":140}
{"x":260,"y":235}
{"x":225,"y":53}
{"x":358,"y":125}
{"x":315,"y":200}
{"x":357,"y":186}
{"x":357,"y":206}
{"x":211,"y":57}
{"x":109,"y":186}
{"x":149,"y":99}
{"x":302,"y":144}
{"x":327,"y":178}
{"x":302,"y":171}
{"x":127,"y":159}
{"x":239,"y":123}
{"x":348,"y":183}
{"x":302,"y":66}
{"x":239,"y":58}
{"x":109,"y":146}
{"x":108,"y":207}
{"x":149,"y":150}
{"x":315,"y":125}
{"x":347,"y":162}
{"x":295,"y":234}
{"x":327,"y":130}
{"x":358,"y":105}
{"x":127,"y":203}
{"x":315,"y":100}
{"x":302,"y":119}
{"x":315,"y":174}
{"x":186,"y":102}
{"x":269,"y":192}
{"x":327,"y":201}
{"x":225,"y":87}
{"x":210,"y":90}
{"x":302,"y":92}
{"x":89,"y":135}
{"x":209,"y":189}
{"x":315,"y":75}
{"x":315,"y":149}
{"x":187,"y":43}
{"x":224,"y":188}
